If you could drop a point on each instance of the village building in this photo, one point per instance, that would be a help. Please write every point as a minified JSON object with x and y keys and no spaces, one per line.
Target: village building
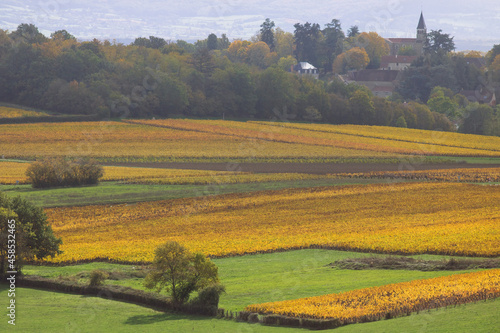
{"x":383,"y":81}
{"x":417,"y":44}
{"x":305,"y":68}
{"x":395,"y":62}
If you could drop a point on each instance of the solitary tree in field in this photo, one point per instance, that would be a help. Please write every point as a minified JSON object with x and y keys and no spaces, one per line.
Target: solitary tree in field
{"x":30,"y":235}
{"x":180,"y":272}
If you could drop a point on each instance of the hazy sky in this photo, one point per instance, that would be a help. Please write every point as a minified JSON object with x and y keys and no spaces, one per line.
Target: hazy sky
{"x":475,"y":25}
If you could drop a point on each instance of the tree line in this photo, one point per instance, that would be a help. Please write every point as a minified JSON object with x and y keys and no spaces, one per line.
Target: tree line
{"x":214,"y":77}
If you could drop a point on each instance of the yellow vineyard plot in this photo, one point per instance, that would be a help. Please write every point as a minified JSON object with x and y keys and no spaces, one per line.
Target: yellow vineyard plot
{"x":423,"y":140}
{"x":10,"y":112}
{"x":372,"y":138}
{"x":12,"y":172}
{"x":392,"y":300}
{"x":136,"y":141}
{"x":455,"y":219}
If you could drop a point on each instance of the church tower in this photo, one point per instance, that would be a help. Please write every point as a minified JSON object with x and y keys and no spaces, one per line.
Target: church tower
{"x":421,"y":29}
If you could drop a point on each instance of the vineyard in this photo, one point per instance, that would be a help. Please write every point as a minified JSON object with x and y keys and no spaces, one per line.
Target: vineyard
{"x":390,"y":301}
{"x":13,"y":172}
{"x":439,"y":218}
{"x":441,"y":206}
{"x":9,"y":112}
{"x":185,"y":140}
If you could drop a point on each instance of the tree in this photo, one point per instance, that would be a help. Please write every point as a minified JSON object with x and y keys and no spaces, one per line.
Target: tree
{"x":491,"y":55}
{"x":267,"y":33}
{"x":362,"y":107}
{"x":33,"y":235}
{"x":62,"y":35}
{"x":276,"y":91}
{"x":333,"y":40}
{"x":374,"y":45}
{"x":438,"y":42}
{"x":407,"y":51}
{"x":306,"y":42}
{"x":355,"y":58}
{"x":495,"y":65}
{"x":353,"y":31}
{"x":28,"y":33}
{"x":441,"y":103}
{"x":401,"y":122}
{"x":283,"y":43}
{"x":212,"y":42}
{"x":180,"y":272}
{"x":257,"y":53}
{"x":203,"y":61}
{"x":477,"y":120}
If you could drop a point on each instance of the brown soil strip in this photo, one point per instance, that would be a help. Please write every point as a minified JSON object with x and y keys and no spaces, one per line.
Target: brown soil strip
{"x":311,"y":168}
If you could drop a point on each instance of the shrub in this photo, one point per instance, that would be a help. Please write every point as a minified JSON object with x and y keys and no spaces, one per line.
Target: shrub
{"x":60,"y":172}
{"x":97,"y":278}
{"x":210,"y":295}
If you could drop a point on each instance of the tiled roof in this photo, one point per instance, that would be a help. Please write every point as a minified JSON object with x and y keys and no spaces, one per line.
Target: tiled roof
{"x":402,"y":40}
{"x":374,"y":75}
{"x":401,"y":59}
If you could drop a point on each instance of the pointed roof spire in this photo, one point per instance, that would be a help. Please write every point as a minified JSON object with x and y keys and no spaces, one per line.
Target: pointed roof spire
{"x":421,"y":22}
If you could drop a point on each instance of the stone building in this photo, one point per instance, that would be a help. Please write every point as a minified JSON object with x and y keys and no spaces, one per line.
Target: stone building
{"x":417,"y":44}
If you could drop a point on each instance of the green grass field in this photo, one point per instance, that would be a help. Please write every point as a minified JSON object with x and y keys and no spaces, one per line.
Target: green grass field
{"x":248,"y":279}
{"x":115,"y":192}
{"x":44,"y":311}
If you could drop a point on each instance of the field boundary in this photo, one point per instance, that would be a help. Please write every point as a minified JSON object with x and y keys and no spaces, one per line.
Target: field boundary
{"x":310,"y":168}
{"x":116,"y":293}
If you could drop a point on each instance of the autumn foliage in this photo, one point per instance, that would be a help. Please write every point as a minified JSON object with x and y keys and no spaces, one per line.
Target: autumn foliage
{"x":393,"y":300}
{"x":60,"y":172}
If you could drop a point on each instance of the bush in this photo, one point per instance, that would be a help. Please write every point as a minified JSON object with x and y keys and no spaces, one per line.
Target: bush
{"x":97,"y":278}
{"x":209,"y":296}
{"x":60,"y":172}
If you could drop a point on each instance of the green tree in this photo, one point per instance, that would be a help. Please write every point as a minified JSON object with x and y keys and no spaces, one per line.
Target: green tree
{"x":438,"y":42}
{"x":425,"y":120}
{"x":180,"y":272}
{"x":283,"y":43}
{"x":28,"y":33}
{"x":478,"y":119}
{"x":267,"y":33}
{"x":407,"y":51}
{"x":333,"y":41}
{"x":61,"y":35}
{"x":401,"y":122}
{"x":212,"y":42}
{"x":307,"y":37}
{"x":34,"y":238}
{"x":362,"y":107}
{"x":276,"y":91}
{"x":440,"y":103}
{"x":353,"y":31}
{"x":491,"y":55}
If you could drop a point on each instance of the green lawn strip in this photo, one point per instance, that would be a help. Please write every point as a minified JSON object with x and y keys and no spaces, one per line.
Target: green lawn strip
{"x":115,"y":192}
{"x":459,"y":159}
{"x":270,"y":277}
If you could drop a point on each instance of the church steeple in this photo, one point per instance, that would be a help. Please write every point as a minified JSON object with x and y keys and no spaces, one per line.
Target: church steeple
{"x":421,"y":28}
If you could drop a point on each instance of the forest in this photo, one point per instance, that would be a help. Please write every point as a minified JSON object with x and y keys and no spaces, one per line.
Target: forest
{"x":247,"y":79}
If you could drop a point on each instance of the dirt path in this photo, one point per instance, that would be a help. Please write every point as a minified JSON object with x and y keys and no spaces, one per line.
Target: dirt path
{"x":312,"y":168}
